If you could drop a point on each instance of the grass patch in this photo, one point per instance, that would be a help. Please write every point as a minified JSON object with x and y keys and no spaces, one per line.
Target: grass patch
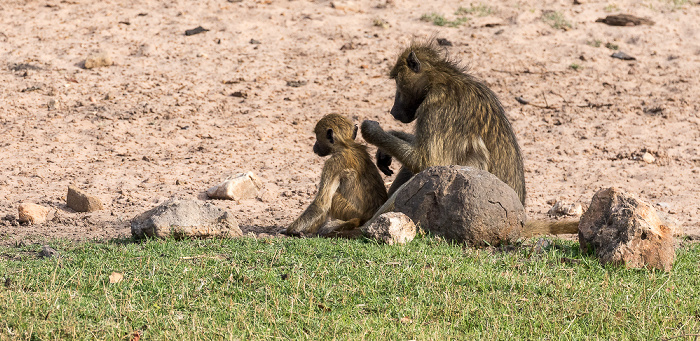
{"x":439,"y":20}
{"x":479,"y":10}
{"x":326,"y":289}
{"x":612,"y":46}
{"x":594,"y":42}
{"x":574,"y":66}
{"x":556,"y":20}
{"x":611,"y":8}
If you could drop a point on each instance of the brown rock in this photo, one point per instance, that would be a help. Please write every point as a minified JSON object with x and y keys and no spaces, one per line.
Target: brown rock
{"x":462,"y":204}
{"x":98,"y":60}
{"x":33,"y":213}
{"x":391,"y":228}
{"x":240,"y":186}
{"x":624,"y":20}
{"x":80,"y":201}
{"x":625,"y":230}
{"x":185,"y":218}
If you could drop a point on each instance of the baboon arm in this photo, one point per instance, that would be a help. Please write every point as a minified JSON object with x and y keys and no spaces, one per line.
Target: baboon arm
{"x":316,"y":214}
{"x":402,"y":150}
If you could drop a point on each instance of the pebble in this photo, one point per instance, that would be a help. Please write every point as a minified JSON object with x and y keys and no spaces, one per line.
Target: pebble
{"x":80,"y":201}
{"x":99,"y":59}
{"x":648,"y":158}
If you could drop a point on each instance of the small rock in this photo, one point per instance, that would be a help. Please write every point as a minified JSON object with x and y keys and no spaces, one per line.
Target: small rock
{"x":462,"y":204}
{"x":99,"y":59}
{"x":240,"y":186}
{"x":48,"y":252}
{"x":379,"y":22}
{"x":444,"y":42}
{"x":663,"y":204}
{"x":255,"y":42}
{"x":346,"y":6}
{"x":542,"y":245}
{"x":115,"y":278}
{"x":561,"y":208}
{"x":33,"y":213}
{"x":624,"y":20}
{"x":51,"y":105}
{"x":522,"y":100}
{"x":185,"y":218}
{"x":239,"y":94}
{"x":80,"y":201}
{"x":625,"y":230}
{"x":622,"y":55}
{"x":348,"y":46}
{"x":296,"y":84}
{"x":196,"y":30}
{"x":648,"y":158}
{"x":391,"y":228}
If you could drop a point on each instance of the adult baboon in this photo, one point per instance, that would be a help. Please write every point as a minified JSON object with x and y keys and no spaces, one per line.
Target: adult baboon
{"x":459,"y":121}
{"x":351,"y":189}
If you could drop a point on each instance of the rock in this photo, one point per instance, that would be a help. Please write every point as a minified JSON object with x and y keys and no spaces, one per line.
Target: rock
{"x":99,"y":59}
{"x":462,"y":204}
{"x":196,"y":30}
{"x":561,"y":208}
{"x":444,"y":42}
{"x":391,"y":228}
{"x":185,"y":218}
{"x":240,"y":186}
{"x":33,"y":213}
{"x":115,"y":278}
{"x":622,"y":55}
{"x":48,"y":252}
{"x":624,"y":20}
{"x":648,"y":158}
{"x":80,"y":201}
{"x":625,"y":230}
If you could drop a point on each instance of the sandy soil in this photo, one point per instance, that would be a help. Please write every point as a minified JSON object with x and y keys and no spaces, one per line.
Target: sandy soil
{"x":177,"y":114}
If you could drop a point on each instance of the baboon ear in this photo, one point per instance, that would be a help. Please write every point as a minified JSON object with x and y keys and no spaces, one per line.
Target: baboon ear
{"x":329,"y":135}
{"x":413,"y":62}
{"x":354,"y":132}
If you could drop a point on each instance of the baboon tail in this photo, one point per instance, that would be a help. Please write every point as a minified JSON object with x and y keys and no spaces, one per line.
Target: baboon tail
{"x":541,"y":227}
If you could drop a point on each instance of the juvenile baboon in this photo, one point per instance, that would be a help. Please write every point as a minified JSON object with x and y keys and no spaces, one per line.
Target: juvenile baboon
{"x":459,"y":121}
{"x":351,"y":189}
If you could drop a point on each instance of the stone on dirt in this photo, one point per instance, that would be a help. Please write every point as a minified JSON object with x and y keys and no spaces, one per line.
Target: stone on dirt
{"x":624,"y":20}
{"x":99,"y":59}
{"x":48,"y":252}
{"x":33,"y":213}
{"x":563,"y":208}
{"x":462,"y":204}
{"x":240,"y":186}
{"x":80,"y":201}
{"x":391,"y":228}
{"x":181,"y":218}
{"x":627,"y":231}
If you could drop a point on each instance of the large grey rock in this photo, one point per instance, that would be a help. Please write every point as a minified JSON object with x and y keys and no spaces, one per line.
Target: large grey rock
{"x":80,"y":201}
{"x":625,"y":230}
{"x":391,"y":228}
{"x":462,"y":204}
{"x":240,"y":186}
{"x":185,"y":218}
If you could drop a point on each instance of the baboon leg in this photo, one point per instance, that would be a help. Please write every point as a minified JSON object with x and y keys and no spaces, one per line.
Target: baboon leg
{"x":341,"y":229}
{"x":401,"y":178}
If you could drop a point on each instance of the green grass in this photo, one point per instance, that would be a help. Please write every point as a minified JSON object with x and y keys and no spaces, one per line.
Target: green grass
{"x":575,"y":66}
{"x":611,"y":8}
{"x":594,"y":42}
{"x":439,"y":20}
{"x":479,"y":10}
{"x":556,"y":20}
{"x":325,"y":289}
{"x":612,"y":46}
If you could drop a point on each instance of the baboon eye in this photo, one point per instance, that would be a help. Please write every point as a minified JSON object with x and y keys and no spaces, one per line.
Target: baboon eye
{"x":329,"y":135}
{"x":412,"y":62}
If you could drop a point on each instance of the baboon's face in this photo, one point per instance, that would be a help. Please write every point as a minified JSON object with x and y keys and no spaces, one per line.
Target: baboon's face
{"x":324,"y":143}
{"x":411,"y":80}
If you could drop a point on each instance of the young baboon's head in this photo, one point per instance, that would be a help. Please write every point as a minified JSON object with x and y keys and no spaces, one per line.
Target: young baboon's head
{"x":333,"y":132}
{"x":416,"y":69}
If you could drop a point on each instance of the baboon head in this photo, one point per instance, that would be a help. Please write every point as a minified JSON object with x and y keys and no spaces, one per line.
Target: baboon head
{"x":412,"y":74}
{"x":333,"y":132}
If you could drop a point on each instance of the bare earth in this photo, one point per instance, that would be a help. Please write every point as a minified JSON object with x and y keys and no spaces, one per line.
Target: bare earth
{"x":177,"y":114}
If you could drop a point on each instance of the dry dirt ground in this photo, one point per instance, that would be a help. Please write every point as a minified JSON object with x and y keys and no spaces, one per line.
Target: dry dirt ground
{"x":177,"y":114}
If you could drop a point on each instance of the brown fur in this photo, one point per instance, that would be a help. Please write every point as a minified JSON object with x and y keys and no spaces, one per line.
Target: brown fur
{"x":459,"y":121}
{"x":351,"y":189}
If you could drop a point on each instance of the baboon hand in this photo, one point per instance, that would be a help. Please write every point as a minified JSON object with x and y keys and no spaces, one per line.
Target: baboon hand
{"x":370,"y":129}
{"x":383,"y":162}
